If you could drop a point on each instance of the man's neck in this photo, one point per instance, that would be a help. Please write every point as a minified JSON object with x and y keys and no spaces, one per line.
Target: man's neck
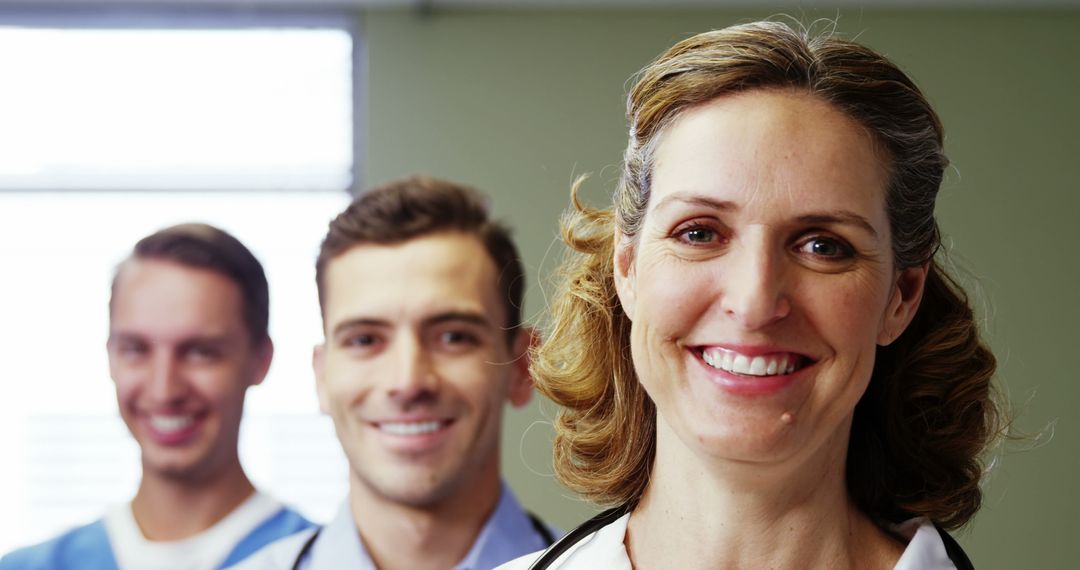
{"x":437,"y":536}
{"x":173,"y":509}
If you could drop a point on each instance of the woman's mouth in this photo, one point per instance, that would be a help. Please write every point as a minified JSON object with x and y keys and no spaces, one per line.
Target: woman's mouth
{"x":769,"y":364}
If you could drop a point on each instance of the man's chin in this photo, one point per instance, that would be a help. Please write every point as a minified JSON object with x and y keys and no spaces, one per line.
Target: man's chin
{"x":179,"y":470}
{"x":418,"y":490}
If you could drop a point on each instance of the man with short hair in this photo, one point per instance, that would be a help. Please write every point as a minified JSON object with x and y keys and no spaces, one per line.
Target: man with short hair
{"x":421,"y":299}
{"x":187,"y":337}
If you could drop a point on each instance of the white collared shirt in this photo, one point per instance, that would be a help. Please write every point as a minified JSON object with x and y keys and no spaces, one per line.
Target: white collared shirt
{"x":508,"y":533}
{"x":605,"y":549}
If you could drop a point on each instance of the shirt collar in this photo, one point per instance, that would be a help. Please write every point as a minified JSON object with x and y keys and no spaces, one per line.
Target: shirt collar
{"x":925,"y":549}
{"x":339,"y":545}
{"x":507,"y":534}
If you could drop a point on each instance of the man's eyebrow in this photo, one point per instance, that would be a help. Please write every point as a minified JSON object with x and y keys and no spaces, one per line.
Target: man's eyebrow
{"x":846,"y":217}
{"x":358,"y":322}
{"x":471,"y":317}
{"x":215,"y":339}
{"x":121,"y":336}
{"x":697,"y":200}
{"x":207,"y":339}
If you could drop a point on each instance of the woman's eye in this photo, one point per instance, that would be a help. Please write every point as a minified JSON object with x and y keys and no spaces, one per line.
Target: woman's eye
{"x":827,"y":248}
{"x":697,"y":235}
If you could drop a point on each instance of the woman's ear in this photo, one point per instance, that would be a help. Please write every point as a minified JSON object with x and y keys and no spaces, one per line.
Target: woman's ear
{"x":904,"y":302}
{"x":624,"y":273}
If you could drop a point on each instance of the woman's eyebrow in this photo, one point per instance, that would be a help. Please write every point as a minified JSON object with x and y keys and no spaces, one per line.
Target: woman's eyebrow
{"x":696,"y":200}
{"x":845,"y":217}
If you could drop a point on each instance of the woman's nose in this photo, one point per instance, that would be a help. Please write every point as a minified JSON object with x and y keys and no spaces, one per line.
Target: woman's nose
{"x":754,"y":288}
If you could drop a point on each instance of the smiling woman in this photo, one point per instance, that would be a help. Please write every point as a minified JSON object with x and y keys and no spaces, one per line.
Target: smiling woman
{"x":760,"y":360}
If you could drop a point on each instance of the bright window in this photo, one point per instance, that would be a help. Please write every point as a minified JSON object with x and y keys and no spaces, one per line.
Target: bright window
{"x":107,"y":136}
{"x":254,"y":109}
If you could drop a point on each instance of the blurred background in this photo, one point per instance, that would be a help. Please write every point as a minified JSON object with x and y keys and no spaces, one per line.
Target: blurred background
{"x":262,"y":116}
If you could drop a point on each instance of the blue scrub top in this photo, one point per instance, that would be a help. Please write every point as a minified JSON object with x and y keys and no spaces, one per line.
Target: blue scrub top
{"x":87,"y":547}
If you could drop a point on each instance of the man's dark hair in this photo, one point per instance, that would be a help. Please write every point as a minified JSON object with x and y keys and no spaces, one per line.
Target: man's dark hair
{"x":203,"y":246}
{"x":419,"y":206}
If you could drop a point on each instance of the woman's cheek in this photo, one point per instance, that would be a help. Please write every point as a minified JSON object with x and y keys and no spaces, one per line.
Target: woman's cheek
{"x":671,"y":298}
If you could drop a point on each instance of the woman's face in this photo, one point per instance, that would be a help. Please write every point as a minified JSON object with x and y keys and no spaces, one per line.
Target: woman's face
{"x":762,"y":279}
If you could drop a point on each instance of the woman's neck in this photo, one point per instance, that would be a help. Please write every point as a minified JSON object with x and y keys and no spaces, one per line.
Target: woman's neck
{"x":727,"y":514}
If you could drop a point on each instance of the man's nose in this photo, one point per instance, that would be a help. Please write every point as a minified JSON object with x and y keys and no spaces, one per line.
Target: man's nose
{"x":416,"y":377}
{"x":167,"y":385}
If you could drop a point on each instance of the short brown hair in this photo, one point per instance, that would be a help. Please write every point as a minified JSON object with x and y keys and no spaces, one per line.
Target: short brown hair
{"x":204,"y":246}
{"x":418,"y":206}
{"x":920,"y":430}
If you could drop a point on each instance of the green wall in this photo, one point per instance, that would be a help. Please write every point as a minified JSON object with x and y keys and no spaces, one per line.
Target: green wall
{"x":518,"y":103}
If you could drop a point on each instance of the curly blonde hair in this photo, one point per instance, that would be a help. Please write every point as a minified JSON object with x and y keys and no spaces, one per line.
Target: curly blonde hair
{"x":920,"y":430}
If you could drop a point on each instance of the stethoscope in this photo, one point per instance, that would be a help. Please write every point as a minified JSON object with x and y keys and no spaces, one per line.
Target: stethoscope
{"x":537,"y":524}
{"x":952,"y":548}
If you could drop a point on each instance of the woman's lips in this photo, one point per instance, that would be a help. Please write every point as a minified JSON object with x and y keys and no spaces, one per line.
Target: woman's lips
{"x":751,"y":372}
{"x":761,"y":364}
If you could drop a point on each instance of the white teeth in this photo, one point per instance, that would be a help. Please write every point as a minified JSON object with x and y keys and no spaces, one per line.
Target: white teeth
{"x":731,"y":361}
{"x":410,"y":428}
{"x":170,"y":424}
{"x":757,"y":366}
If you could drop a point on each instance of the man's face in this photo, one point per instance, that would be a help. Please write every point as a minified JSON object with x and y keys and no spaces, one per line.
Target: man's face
{"x":182,"y":359}
{"x":416,"y":367}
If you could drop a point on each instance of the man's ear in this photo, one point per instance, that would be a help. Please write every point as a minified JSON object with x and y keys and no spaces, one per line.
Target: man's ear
{"x":903,"y":303}
{"x":264,"y":355}
{"x":318,"y":366}
{"x":521,"y":380}
{"x":625,"y":282}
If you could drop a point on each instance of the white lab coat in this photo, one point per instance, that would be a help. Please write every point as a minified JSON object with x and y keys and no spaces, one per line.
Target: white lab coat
{"x":604,"y":549}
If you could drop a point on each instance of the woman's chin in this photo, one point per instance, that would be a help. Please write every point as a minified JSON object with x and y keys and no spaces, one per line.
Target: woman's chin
{"x":769,"y":447}
{"x":759,"y":437}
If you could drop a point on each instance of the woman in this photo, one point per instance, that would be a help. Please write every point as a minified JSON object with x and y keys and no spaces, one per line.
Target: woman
{"x":761,"y":363}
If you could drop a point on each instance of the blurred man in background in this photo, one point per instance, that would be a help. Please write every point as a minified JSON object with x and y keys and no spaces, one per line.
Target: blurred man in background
{"x":187,"y":337}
